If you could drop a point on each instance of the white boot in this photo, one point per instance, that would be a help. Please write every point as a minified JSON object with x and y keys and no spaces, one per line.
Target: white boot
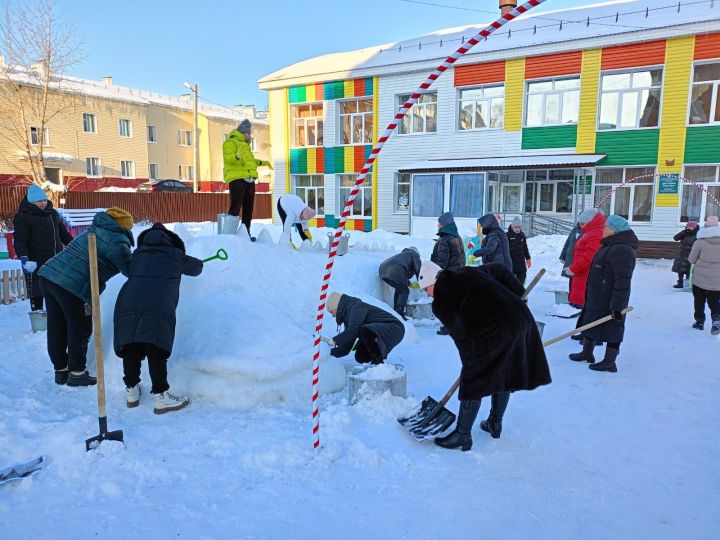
{"x":167,"y":402}
{"x":132,"y":396}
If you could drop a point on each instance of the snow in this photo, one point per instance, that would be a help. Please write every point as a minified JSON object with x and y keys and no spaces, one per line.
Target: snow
{"x":383,"y":372}
{"x":593,"y":455}
{"x":515,"y":161}
{"x":562,"y":310}
{"x":116,"y":189}
{"x":10,"y":264}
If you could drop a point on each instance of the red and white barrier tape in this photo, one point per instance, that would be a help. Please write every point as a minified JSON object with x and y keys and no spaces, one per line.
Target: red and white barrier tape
{"x":447,"y":64}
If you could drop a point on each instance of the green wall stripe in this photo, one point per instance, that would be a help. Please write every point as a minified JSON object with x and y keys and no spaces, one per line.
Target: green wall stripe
{"x":702,"y":144}
{"x":632,"y":147}
{"x":549,"y":137}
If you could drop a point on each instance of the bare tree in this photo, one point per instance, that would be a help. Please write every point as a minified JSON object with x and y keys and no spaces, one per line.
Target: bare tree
{"x":37,"y":49}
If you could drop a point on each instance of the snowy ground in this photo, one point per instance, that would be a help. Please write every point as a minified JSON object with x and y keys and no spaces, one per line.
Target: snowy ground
{"x":594,"y":455}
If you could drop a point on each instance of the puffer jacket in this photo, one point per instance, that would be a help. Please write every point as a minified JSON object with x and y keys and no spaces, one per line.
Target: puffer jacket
{"x":495,"y":247}
{"x":449,"y":252}
{"x":238,"y":159}
{"x":687,"y":238}
{"x":705,"y":255}
{"x":585,"y":249}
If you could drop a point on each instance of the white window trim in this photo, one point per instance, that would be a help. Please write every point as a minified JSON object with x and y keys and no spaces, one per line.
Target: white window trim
{"x":130,"y":128}
{"x":395,"y":210}
{"x":95,"y":124}
{"x":294,"y":187}
{"x":132,"y":169}
{"x":148,"y":133}
{"x":316,"y":118}
{"x":45,"y":137}
{"x":340,"y":201}
{"x":703,"y":202}
{"x":536,"y":194}
{"x":100,"y":168}
{"x":458,"y":101}
{"x":713,"y":103}
{"x":351,"y":115}
{"x":630,"y":70}
{"x":526,"y":95}
{"x":396,"y":108}
{"x":190,"y":173}
{"x":651,"y":181}
{"x":157,"y":171}
{"x":186,"y":138}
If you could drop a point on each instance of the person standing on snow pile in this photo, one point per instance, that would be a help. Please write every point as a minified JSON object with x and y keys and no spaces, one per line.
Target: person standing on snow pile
{"x":681,"y":265}
{"x":65,"y":282}
{"x":378,"y":331}
{"x":294,"y":212}
{"x":240,"y":172}
{"x":39,"y":234}
{"x":495,"y":247}
{"x":519,"y":253}
{"x":591,"y":223}
{"x":448,"y":252}
{"x":705,"y":256}
{"x":566,"y":255}
{"x":608,"y":293}
{"x":144,"y":318}
{"x":500,"y":347}
{"x":397,"y":272}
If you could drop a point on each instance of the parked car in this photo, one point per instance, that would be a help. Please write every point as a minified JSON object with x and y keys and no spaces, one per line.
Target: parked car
{"x":164,"y":185}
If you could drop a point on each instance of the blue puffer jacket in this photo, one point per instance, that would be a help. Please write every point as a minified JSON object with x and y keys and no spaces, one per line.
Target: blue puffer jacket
{"x":70,"y":269}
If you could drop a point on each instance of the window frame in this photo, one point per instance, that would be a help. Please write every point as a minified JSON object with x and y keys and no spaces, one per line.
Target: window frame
{"x":703,"y":203}
{"x":396,"y":184}
{"x":713,"y":98}
{"x":632,"y":70}
{"x":544,"y":93}
{"x":459,"y":100}
{"x":631,"y":186}
{"x":293,"y":120}
{"x":45,"y":137}
{"x":364,"y":116}
{"x":94,"y":123}
{"x":154,"y":132}
{"x":150,"y":170}
{"x":340,"y":200}
{"x":99,"y":167}
{"x":294,"y":190}
{"x":130,"y":176}
{"x":128,"y":122}
{"x":399,"y":102}
{"x":185,"y":138}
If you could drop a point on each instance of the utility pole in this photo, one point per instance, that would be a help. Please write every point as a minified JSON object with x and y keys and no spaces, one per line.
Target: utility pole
{"x":196,"y":147}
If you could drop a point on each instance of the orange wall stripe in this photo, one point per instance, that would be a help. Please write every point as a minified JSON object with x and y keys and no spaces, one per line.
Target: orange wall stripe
{"x":487,"y":72}
{"x":707,"y":46}
{"x":359,"y":157}
{"x":553,"y":65}
{"x":359,"y":87}
{"x":638,"y":54}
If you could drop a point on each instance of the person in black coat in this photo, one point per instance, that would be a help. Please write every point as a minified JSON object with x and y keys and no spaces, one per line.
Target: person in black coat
{"x":494,"y":246}
{"x":519,"y":253}
{"x":397,"y":272}
{"x":496,"y":336}
{"x":378,"y":331}
{"x":39,"y":234}
{"x":608,"y":293}
{"x":449,"y":251}
{"x":144,"y":316}
{"x":681,"y":265}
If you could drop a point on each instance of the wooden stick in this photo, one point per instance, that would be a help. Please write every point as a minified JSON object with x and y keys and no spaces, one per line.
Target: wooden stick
{"x":593,"y":324}
{"x":97,"y":324}
{"x":6,"y":287}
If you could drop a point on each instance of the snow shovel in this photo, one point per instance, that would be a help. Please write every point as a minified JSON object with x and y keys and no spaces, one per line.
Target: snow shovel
{"x":432,"y":418}
{"x":105,"y":435}
{"x":220,"y":255}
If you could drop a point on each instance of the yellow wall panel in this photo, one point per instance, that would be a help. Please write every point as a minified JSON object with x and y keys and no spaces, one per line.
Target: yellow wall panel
{"x":514,"y":90}
{"x":349,"y":159}
{"x":589,"y":84}
{"x":667,"y":200}
{"x":349,"y":88}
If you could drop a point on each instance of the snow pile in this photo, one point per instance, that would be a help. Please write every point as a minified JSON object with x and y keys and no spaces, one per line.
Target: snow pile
{"x":382,"y":372}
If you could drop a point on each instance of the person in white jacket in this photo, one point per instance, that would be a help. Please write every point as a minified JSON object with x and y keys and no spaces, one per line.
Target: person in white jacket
{"x":293,"y":211}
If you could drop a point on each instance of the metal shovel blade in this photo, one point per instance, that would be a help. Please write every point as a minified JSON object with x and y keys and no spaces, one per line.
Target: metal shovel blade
{"x":428,"y":421}
{"x":93,"y":442}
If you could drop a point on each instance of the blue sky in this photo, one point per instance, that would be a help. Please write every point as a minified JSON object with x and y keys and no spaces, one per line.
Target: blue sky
{"x":227,"y":45}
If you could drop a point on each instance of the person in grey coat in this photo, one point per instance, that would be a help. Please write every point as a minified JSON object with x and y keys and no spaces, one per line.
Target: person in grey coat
{"x":397,"y":272}
{"x":495,"y":247}
{"x":370,"y":331}
{"x":705,"y":255}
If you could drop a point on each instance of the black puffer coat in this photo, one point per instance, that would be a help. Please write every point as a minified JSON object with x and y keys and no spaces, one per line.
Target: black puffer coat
{"x":519,"y":252}
{"x":494,"y":247}
{"x":146,"y":305}
{"x":356,"y":314}
{"x":608,"y":285}
{"x":449,"y":252}
{"x":38,"y":235}
{"x":687,"y":238}
{"x":401,"y":267}
{"x":494,"y":331}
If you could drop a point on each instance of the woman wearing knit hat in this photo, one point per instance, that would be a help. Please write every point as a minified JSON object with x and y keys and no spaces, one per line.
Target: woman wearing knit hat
{"x":681,"y":265}
{"x":519,"y":253}
{"x":449,"y":252}
{"x":39,"y":234}
{"x":608,"y":293}
{"x":591,"y":222}
{"x":705,"y":255}
{"x":65,"y":282}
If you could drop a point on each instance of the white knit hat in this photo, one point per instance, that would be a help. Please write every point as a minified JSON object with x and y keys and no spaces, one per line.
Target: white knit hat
{"x":333,"y":301}
{"x":428,"y":274}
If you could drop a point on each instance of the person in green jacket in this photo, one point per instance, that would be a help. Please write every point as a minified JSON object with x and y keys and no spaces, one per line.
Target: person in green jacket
{"x":240,"y":171}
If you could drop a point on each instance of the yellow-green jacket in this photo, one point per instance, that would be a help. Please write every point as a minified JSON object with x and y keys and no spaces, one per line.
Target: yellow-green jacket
{"x":238,"y":159}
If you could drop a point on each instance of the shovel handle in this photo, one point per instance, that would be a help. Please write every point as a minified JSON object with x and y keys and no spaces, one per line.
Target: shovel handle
{"x":97,"y":329}
{"x":221,"y":255}
{"x":588,"y":326}
{"x":534,"y":282}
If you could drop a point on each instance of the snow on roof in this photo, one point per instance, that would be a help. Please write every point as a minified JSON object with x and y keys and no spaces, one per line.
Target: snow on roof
{"x":505,"y":162}
{"x":49,"y":156}
{"x":623,"y":20}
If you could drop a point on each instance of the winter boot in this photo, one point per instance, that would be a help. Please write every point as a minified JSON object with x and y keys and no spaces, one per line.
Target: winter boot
{"x":715,"y":330}
{"x":443,"y":331}
{"x":698,"y":325}
{"x":576,"y":337}
{"x":461,"y":436}
{"x":608,"y":363}
{"x":81,"y":378}
{"x":61,"y":376}
{"x":493,"y":425}
{"x":167,"y":402}
{"x":587,"y":353}
{"x":132,"y":396}
{"x":679,"y":284}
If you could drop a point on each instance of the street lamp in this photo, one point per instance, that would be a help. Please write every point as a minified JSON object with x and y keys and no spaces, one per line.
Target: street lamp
{"x":196,"y":154}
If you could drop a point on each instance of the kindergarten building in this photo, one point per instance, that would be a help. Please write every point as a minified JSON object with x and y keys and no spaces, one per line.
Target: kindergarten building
{"x":551,"y":114}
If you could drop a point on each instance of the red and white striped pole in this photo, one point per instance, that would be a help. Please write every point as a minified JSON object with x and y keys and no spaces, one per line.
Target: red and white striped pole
{"x":447,"y":64}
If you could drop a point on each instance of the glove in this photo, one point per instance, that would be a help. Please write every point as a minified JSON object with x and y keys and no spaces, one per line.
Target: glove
{"x":617,"y":315}
{"x":471,"y":259}
{"x":329,"y":341}
{"x":414,"y":285}
{"x":269,"y":165}
{"x":28,"y":266}
{"x":309,"y":236}
{"x":528,"y":262}
{"x":569,"y":272}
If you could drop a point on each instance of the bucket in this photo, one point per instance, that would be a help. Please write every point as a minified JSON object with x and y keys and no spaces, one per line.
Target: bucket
{"x":540,"y":327}
{"x":38,"y":320}
{"x":419,"y":311}
{"x":561,"y":297}
{"x":342,"y":248}
{"x":373,"y":380}
{"x":227,"y":224}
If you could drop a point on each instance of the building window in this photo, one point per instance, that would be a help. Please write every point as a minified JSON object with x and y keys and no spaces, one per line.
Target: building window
{"x":311,"y":189}
{"x":362,"y":207}
{"x":253,"y":144}
{"x":127,"y":169}
{"x":89,"y":123}
{"x":153,"y":170}
{"x":695,"y":202}
{"x":307,"y":125}
{"x":466,"y":195}
{"x":704,"y":98}
{"x":552,"y":102}
{"x":225,"y":137}
{"x":401,"y":193}
{"x":630,"y":100}
{"x":190,"y":173}
{"x":92,"y":167}
{"x":422,"y":118}
{"x":35,"y":136}
{"x":428,"y":195}
{"x":356,"y":121}
{"x":185,"y":137}
{"x":152,"y":134}
{"x":548,"y":191}
{"x":125,"y":128}
{"x":634,"y":201}
{"x":481,"y":108}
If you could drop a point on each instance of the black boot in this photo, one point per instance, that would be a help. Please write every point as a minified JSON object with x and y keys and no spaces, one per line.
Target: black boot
{"x":81,"y":379}
{"x":699,"y":325}
{"x":576,"y":337}
{"x":587,"y":353}
{"x":443,"y":331}
{"x":608,"y":363}
{"x":461,"y":437}
{"x":493,"y":425}
{"x":715,"y":330}
{"x":61,"y":376}
{"x":679,"y":284}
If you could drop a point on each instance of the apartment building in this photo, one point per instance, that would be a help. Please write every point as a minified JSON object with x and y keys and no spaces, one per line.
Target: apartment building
{"x":106,"y":135}
{"x":613,"y":105}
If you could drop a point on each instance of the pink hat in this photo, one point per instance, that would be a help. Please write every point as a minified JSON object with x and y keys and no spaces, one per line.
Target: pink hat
{"x":692,"y":224}
{"x":711,"y":221}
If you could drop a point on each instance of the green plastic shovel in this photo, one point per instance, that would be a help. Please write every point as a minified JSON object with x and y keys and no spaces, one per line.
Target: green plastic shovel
{"x":221,"y":255}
